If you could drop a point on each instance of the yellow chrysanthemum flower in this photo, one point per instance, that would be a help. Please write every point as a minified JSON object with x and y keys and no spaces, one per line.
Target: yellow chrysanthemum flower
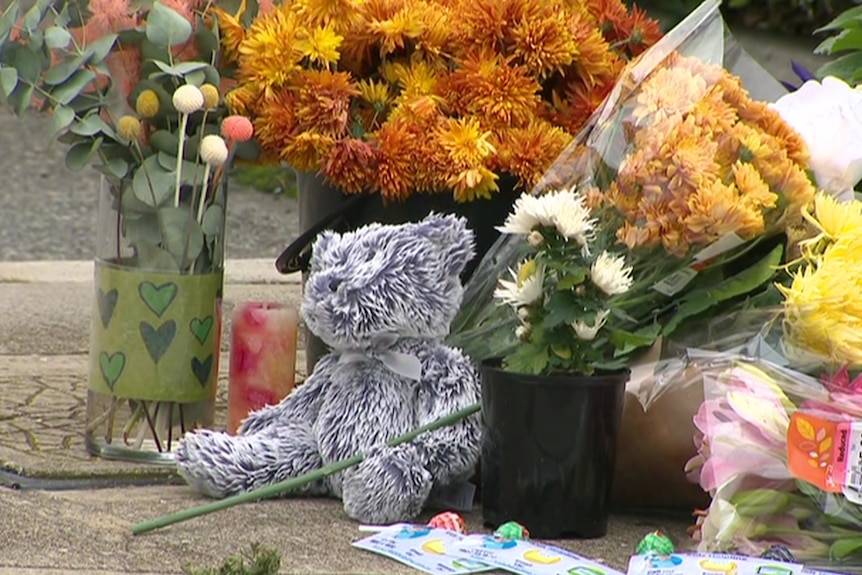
{"x":320,"y":45}
{"x":268,"y":55}
{"x":473,"y":183}
{"x":375,"y":93}
{"x":835,"y":219}
{"x":465,"y":142}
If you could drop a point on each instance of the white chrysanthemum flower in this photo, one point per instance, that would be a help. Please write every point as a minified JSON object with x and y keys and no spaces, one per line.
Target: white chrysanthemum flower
{"x":188,"y":99}
{"x":572,"y":217}
{"x":214,"y":150}
{"x":523,"y":290}
{"x":530,"y":212}
{"x":611,"y":274}
{"x":588,"y":332}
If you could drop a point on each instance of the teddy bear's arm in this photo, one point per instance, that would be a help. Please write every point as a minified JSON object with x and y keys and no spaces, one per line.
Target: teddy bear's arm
{"x":449,"y":383}
{"x":302,"y":405}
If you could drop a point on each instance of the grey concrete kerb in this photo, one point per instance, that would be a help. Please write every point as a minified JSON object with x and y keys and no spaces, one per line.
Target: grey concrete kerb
{"x":239,"y":271}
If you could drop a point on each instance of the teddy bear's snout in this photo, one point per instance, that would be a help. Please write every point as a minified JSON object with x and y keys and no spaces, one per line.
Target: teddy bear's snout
{"x":334,"y":283}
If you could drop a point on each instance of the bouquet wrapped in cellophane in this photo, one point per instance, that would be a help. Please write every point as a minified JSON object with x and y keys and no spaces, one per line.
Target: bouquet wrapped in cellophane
{"x":693,"y":180}
{"x":779,"y":433}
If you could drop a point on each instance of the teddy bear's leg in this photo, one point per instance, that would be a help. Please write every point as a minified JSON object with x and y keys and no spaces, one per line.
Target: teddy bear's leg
{"x":390,"y":485}
{"x":220,"y":465}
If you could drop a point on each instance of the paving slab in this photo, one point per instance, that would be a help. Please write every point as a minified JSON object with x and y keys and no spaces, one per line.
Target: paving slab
{"x":42,"y":420}
{"x":90,"y":531}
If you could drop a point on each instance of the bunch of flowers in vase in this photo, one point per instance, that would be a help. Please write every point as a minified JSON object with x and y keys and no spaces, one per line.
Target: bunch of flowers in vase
{"x":137,"y":93}
{"x":398,"y":97}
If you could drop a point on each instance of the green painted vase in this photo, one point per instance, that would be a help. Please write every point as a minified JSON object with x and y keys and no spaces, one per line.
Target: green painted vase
{"x":155,"y":332}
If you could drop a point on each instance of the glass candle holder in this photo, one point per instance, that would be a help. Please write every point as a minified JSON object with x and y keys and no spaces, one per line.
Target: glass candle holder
{"x":262,"y":358}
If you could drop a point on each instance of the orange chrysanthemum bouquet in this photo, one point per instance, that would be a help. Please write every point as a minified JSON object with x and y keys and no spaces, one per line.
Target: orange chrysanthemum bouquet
{"x":398,"y":97}
{"x":690,"y":176}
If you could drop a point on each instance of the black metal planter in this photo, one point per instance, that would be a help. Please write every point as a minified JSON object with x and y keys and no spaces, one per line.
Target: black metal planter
{"x":549,"y":450}
{"x":323,"y":207}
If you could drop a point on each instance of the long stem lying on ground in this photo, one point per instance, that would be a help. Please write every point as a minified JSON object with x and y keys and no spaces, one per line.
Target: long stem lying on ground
{"x":277,"y":489}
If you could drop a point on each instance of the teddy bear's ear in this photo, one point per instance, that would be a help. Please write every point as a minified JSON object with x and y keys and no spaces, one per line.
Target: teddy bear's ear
{"x":451,"y":234}
{"x":325,"y":240}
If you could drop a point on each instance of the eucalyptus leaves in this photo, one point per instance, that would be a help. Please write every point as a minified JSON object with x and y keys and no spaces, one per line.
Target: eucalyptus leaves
{"x":142,"y":103}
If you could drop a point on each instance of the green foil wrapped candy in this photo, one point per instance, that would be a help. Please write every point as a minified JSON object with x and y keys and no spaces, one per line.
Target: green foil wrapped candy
{"x":655,"y":542}
{"x":512,"y":531}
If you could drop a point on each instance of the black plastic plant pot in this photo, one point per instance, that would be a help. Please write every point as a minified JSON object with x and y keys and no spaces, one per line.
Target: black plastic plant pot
{"x":549,"y":450}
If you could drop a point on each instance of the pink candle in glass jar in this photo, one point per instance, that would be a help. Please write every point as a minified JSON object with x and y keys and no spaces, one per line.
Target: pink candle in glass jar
{"x":262,"y":358}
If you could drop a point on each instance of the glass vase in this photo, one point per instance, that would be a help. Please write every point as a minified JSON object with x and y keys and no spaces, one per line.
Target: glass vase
{"x":156,"y":324}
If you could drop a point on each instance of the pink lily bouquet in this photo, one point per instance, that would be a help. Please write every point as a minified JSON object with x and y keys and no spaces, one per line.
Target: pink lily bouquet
{"x":780,"y":432}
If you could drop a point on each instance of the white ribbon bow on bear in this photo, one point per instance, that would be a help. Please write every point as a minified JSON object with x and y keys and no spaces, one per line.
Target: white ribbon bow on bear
{"x":381,"y":350}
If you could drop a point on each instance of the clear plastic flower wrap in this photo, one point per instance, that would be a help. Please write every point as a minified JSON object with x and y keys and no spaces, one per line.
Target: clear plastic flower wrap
{"x":691,"y":174}
{"x":779,"y":430}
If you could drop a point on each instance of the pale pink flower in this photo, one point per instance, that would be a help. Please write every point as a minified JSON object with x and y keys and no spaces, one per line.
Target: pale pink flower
{"x":125,"y":68}
{"x":265,"y":6}
{"x":110,"y":16}
{"x":743,"y":432}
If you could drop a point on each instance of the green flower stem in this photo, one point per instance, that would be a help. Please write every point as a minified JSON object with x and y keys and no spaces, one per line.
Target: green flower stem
{"x":203,"y":198}
{"x":184,"y":122}
{"x":279,"y":488}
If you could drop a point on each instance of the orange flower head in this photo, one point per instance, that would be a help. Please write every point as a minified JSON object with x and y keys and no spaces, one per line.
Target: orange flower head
{"x":395,"y":167}
{"x":755,"y":192}
{"x":323,"y":101}
{"x":232,"y":34}
{"x":544,"y":45}
{"x":242,"y":100}
{"x":351,"y":164}
{"x":489,"y":87}
{"x":276,"y":124}
{"x":668,"y":92}
{"x":339,"y":14}
{"x":595,"y":62}
{"x":307,"y":150}
{"x":528,"y":152}
{"x":717,"y":211}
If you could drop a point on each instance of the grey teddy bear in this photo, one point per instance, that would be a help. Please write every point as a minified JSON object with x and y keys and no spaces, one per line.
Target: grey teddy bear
{"x":382,"y":298}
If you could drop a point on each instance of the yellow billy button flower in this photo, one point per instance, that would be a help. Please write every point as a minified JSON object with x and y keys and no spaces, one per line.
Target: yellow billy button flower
{"x":211,"y":96}
{"x":147,"y":105}
{"x":129,"y":128}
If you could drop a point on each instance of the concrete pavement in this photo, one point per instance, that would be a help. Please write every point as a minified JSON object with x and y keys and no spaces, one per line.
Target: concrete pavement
{"x":50,"y":527}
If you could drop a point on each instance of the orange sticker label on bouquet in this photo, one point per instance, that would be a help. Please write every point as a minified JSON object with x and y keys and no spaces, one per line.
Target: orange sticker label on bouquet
{"x":825,"y":453}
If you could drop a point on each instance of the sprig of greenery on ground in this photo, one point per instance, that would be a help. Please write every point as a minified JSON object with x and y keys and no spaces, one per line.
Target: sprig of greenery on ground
{"x":273,"y":179}
{"x":258,"y":560}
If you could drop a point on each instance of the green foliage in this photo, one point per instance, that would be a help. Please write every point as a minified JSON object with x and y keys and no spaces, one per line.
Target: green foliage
{"x":784,"y":16}
{"x":171,"y":210}
{"x":258,"y":560}
{"x":845,"y":44}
